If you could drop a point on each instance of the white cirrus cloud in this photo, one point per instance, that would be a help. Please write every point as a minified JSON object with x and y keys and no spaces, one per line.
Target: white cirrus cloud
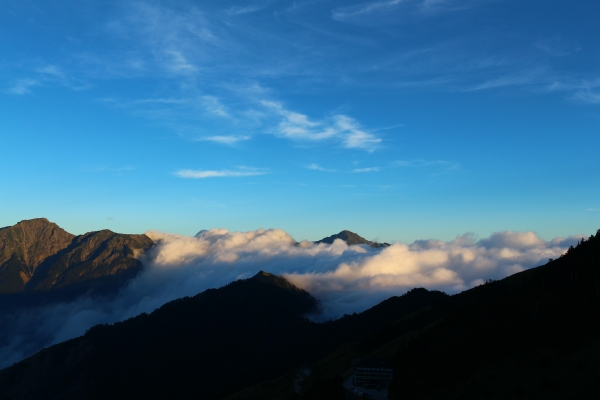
{"x":202,"y":174}
{"x":345,"y":129}
{"x":23,"y":86}
{"x":380,"y":8}
{"x":369,"y":169}
{"x":420,"y":163}
{"x":587,"y":96}
{"x":317,"y":167}
{"x":557,"y":46}
{"x":225,"y":139}
{"x":214,"y":106}
{"x":359,"y":10}
{"x":54,"y":71}
{"x":239,"y":10}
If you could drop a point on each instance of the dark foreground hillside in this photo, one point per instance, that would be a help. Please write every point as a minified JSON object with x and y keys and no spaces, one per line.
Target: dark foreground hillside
{"x":206,"y":346}
{"x":533,"y":335}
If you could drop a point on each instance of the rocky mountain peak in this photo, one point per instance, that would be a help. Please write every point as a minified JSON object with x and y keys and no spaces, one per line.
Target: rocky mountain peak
{"x":38,"y":255}
{"x":351,"y":238}
{"x":28,"y":243}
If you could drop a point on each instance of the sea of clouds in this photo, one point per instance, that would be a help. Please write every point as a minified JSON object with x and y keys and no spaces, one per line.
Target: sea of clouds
{"x":344,"y":278}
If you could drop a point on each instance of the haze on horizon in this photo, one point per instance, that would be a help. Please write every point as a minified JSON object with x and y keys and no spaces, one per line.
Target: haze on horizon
{"x":399,"y":120}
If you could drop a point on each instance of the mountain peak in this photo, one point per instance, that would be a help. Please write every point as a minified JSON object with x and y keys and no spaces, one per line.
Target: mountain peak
{"x":34,"y":223}
{"x":267,"y":277}
{"x":38,"y":255}
{"x":351,"y":238}
{"x":24,"y":246}
{"x":262,"y":275}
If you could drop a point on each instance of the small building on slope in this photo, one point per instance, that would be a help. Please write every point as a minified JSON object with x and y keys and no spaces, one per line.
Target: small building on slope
{"x":373,"y":373}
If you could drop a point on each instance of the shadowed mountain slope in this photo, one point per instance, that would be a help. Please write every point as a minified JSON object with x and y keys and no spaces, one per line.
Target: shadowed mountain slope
{"x":206,"y":346}
{"x":201,"y":346}
{"x":351,"y":238}
{"x":39,"y":261}
{"x":532,"y":335}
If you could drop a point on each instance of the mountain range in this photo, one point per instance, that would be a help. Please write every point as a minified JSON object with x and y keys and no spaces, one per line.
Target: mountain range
{"x":531,"y":335}
{"x":39,"y":261}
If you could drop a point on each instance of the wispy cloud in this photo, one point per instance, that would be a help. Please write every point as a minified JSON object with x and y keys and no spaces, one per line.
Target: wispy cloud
{"x":53,"y":70}
{"x":343,"y":13}
{"x":316,"y":167}
{"x":238,"y":10}
{"x":162,"y":101}
{"x":298,"y":126}
{"x":228,"y":140}
{"x":207,"y":104}
{"x":439,"y":165}
{"x":354,"y":136}
{"x":524,"y":78}
{"x":370,"y":169}
{"x":110,"y":169}
{"x":557,"y":46}
{"x":176,"y":61}
{"x":53,"y":74}
{"x":214,"y":106}
{"x":23,"y":86}
{"x":409,"y":7}
{"x":201,"y":174}
{"x":174,"y":42}
{"x":587,"y":96}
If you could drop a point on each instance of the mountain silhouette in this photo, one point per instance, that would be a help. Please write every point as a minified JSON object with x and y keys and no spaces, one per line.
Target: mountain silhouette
{"x":205,"y":346}
{"x":532,"y":335}
{"x":351,"y":238}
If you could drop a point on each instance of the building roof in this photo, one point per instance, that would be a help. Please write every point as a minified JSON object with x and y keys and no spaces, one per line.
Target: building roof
{"x":373,"y":362}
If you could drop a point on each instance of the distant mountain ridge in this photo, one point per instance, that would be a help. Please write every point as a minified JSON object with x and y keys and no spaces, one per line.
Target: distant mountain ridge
{"x":38,"y":256}
{"x":351,"y":238}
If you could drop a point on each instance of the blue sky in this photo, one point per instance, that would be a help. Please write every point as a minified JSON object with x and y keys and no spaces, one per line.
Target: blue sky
{"x":399,"y":120}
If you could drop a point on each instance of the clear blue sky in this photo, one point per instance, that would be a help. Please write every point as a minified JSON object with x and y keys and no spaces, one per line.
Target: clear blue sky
{"x":399,"y":120}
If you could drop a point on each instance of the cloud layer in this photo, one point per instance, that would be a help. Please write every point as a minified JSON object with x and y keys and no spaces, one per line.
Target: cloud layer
{"x":345,"y":278}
